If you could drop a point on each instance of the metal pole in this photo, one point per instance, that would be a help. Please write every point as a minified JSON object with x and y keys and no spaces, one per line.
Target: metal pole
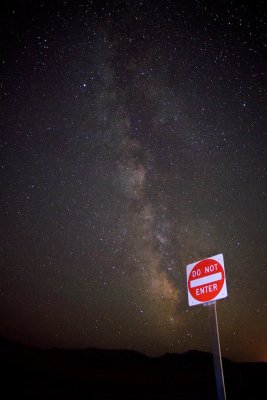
{"x":216,"y":349}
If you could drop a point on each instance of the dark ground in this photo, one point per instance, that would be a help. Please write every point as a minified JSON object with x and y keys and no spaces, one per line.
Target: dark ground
{"x":32,"y":373}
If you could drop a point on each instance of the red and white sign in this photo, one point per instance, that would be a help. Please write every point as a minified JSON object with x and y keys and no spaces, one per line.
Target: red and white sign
{"x":206,"y":280}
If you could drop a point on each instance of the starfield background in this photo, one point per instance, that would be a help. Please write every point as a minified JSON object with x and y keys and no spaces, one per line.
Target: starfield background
{"x":133,"y":142}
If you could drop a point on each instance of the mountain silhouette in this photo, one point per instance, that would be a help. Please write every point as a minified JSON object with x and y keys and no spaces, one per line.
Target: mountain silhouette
{"x":92,"y":373}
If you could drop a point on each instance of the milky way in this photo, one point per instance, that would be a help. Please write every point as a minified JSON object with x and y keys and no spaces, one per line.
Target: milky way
{"x":133,"y":142}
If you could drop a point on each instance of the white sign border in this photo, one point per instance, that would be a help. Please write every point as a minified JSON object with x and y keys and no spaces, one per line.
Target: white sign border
{"x":221,"y":295}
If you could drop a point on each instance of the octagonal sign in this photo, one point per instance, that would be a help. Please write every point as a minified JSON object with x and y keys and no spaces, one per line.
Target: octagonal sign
{"x":206,"y":280}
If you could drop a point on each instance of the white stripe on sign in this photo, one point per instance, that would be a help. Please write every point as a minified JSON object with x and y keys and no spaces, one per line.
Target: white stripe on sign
{"x":206,"y":279}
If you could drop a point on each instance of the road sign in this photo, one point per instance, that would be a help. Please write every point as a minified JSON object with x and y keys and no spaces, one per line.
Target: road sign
{"x":206,"y":280}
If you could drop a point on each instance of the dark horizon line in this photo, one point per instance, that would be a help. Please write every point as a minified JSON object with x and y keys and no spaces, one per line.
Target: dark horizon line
{"x":11,"y":342}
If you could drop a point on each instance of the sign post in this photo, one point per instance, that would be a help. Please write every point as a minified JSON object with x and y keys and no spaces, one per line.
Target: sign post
{"x":206,"y":284}
{"x":216,"y":350}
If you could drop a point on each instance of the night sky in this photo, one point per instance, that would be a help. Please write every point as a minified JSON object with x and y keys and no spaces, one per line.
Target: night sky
{"x":133,"y":142}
